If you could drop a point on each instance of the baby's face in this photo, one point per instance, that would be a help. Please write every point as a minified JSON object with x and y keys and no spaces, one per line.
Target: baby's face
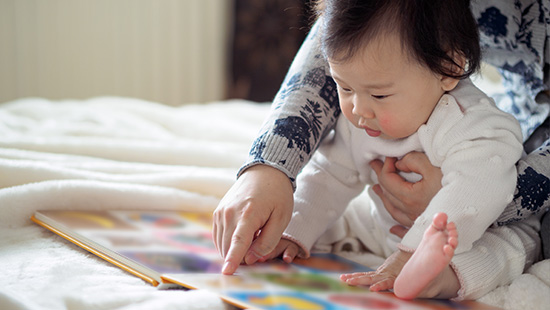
{"x":385,"y":92}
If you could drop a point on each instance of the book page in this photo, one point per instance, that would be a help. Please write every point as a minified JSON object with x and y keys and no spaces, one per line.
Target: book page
{"x":179,"y":247}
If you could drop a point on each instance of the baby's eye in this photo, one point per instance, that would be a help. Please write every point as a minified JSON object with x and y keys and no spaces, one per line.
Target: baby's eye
{"x":346,"y":90}
{"x":379,"y":96}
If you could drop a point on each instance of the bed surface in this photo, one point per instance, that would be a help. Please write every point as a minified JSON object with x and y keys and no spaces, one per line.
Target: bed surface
{"x":123,"y":153}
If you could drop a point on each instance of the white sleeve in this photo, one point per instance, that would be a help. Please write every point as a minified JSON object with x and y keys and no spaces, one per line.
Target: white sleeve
{"x":325,"y":187}
{"x":497,"y":258}
{"x":477,"y":150}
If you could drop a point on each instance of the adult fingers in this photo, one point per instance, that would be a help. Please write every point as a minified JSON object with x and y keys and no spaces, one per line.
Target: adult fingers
{"x":269,"y":236}
{"x":239,"y":230}
{"x":273,"y":254}
{"x":419,"y":163}
{"x":259,"y":204}
{"x":393,"y":190}
{"x":215,"y":237}
{"x":240,"y":243}
{"x":424,"y":190}
{"x":225,"y":219}
{"x":391,"y":181}
{"x":410,"y":198}
{"x":393,"y":206}
{"x":376,"y":165}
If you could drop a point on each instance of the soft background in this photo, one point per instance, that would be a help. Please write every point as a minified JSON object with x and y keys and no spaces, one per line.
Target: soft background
{"x":168,"y":51}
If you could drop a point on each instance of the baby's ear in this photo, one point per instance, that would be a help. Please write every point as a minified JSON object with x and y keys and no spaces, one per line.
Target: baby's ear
{"x":456,"y":68}
{"x":448,"y":83}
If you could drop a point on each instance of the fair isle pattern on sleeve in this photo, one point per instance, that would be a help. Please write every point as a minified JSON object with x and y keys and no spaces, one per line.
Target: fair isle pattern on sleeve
{"x":300,"y":133}
{"x":303,"y":112}
{"x":514,"y":39}
{"x":533,"y":189}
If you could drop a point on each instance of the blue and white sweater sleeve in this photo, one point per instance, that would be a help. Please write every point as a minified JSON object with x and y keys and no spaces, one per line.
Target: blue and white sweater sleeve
{"x":515,"y":39}
{"x":532,"y":195}
{"x":304,"y":110}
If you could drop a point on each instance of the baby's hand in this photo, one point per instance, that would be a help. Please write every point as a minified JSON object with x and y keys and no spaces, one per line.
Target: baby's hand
{"x":383,"y":278}
{"x":288,"y":249}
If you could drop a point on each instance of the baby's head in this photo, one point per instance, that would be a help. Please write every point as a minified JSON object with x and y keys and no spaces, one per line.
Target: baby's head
{"x":439,"y":34}
{"x":394,"y":59}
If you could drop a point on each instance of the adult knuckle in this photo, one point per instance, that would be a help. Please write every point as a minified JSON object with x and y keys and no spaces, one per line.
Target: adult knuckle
{"x":250,"y":216}
{"x":264,"y":248}
{"x":228,"y":214}
{"x":217,"y":214}
{"x":237,"y":240}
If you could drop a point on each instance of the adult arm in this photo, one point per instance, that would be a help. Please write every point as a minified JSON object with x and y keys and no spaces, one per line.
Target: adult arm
{"x":303,"y":112}
{"x":532,"y":194}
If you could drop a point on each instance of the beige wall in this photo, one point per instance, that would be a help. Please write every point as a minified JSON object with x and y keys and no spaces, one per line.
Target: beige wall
{"x":168,"y":51}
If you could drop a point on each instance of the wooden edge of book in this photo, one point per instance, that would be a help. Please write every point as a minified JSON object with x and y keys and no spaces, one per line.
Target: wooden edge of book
{"x":97,"y":253}
{"x":165,"y":280}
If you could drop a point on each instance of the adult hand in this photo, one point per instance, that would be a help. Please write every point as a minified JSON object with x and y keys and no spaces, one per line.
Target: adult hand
{"x":250,"y":219}
{"x":405,"y":201}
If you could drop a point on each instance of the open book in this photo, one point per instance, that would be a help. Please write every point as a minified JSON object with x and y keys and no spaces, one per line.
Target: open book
{"x":175,"y":249}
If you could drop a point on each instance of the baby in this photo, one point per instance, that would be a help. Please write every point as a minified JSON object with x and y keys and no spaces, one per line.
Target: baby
{"x":401,"y":69}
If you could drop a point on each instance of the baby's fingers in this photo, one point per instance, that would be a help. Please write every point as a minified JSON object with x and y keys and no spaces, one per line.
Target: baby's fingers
{"x":383,"y":285}
{"x":376,"y":281}
{"x":290,"y":254}
{"x":360,"y":278}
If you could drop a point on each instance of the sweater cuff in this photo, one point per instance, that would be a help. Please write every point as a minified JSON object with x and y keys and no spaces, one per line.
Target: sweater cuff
{"x":404,"y":248}
{"x":461,"y":294}
{"x":262,"y":162}
{"x":277,"y":155}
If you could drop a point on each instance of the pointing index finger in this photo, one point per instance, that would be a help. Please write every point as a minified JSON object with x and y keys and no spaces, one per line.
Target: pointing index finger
{"x":240,"y":243}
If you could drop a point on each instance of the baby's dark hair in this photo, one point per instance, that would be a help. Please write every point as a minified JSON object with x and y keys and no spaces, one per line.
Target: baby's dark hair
{"x":431,"y":31}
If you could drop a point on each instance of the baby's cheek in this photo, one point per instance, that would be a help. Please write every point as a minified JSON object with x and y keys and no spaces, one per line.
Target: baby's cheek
{"x":386,"y":123}
{"x":393,"y":127}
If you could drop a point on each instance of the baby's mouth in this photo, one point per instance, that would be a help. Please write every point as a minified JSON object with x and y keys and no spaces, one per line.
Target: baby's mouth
{"x":372,"y":132}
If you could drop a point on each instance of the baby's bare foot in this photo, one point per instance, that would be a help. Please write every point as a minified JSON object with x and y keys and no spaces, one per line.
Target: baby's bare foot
{"x":431,"y":257}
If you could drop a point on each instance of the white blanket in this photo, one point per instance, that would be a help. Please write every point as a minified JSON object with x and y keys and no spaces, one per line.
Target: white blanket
{"x":107,"y":153}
